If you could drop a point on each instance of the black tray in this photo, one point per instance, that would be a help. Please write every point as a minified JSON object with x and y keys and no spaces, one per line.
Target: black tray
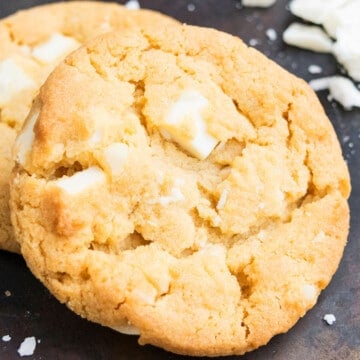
{"x":32,"y":311}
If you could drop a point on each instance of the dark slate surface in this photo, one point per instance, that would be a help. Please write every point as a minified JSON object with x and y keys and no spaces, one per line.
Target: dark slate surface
{"x":31,"y":311}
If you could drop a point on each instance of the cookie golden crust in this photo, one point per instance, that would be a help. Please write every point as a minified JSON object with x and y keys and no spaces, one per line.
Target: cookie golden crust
{"x":33,"y":42}
{"x":177,"y":184}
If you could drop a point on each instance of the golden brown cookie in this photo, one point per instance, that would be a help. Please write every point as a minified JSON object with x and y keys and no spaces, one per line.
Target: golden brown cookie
{"x":32,"y":43}
{"x":176,"y":184}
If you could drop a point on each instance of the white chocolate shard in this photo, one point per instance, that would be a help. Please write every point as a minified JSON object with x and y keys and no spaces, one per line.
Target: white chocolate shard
{"x":174,"y":196}
{"x":307,"y":37}
{"x":55,"y":48}
{"x":347,"y":14}
{"x":27,"y":347}
{"x":222,"y":200}
{"x":315,"y":11}
{"x":189,"y":106}
{"x":341,"y":89}
{"x":347,"y":48}
{"x":25,"y":139}
{"x":115,"y":156}
{"x":13,"y":80}
{"x":81,"y":180}
{"x":128,"y":329}
{"x":259,"y":3}
{"x":132,"y":5}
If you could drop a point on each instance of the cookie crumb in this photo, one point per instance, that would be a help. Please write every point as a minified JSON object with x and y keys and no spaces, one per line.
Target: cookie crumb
{"x":329,"y":319}
{"x":7,"y":293}
{"x":253,"y":42}
{"x":132,"y":5}
{"x":6,"y":338}
{"x":191,"y":7}
{"x":27,"y":347}
{"x":271,"y":34}
{"x":315,"y":69}
{"x":238,"y":6}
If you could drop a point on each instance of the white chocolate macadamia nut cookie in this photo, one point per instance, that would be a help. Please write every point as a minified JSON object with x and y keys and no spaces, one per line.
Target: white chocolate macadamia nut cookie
{"x":176,"y":184}
{"x":32,"y":43}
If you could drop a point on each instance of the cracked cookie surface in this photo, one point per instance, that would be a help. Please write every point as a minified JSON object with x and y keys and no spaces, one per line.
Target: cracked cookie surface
{"x":169,"y":185}
{"x":33,"y":42}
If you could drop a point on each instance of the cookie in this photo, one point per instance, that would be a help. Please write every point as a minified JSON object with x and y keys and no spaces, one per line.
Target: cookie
{"x":32,"y":43}
{"x":178,"y":185}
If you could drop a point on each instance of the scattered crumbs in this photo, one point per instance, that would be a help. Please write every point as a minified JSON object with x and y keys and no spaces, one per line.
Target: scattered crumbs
{"x":27,"y":347}
{"x":271,"y":34}
{"x":238,"y":5}
{"x":330,"y":319}
{"x":315,"y":69}
{"x":346,"y":138}
{"x":249,"y":18}
{"x":294,"y":65}
{"x":351,"y":145}
{"x":6,"y":338}
{"x":253,"y":42}
{"x":38,"y":341}
{"x":132,"y":5}
{"x":191,"y":7}
{"x":7,"y":293}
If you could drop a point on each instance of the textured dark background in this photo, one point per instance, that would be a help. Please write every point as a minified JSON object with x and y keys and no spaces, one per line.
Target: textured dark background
{"x":32,"y":311}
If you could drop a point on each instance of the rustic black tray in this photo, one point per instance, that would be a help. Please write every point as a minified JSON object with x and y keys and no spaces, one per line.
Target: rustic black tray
{"x":32,"y":311}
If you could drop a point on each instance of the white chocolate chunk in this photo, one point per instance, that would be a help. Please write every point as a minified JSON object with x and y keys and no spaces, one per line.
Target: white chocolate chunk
{"x":13,"y":80}
{"x":55,"y":48}
{"x":25,"y":139}
{"x":307,"y":37}
{"x":223,"y":197}
{"x":174,"y":196}
{"x":329,"y":318}
{"x":128,"y":329}
{"x":347,"y":48}
{"x":346,"y":15}
{"x":132,"y":5}
{"x":115,"y":156}
{"x":81,"y":180}
{"x":27,"y":347}
{"x":341,"y":89}
{"x":189,"y":106}
{"x":315,"y":11}
{"x":260,"y":3}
